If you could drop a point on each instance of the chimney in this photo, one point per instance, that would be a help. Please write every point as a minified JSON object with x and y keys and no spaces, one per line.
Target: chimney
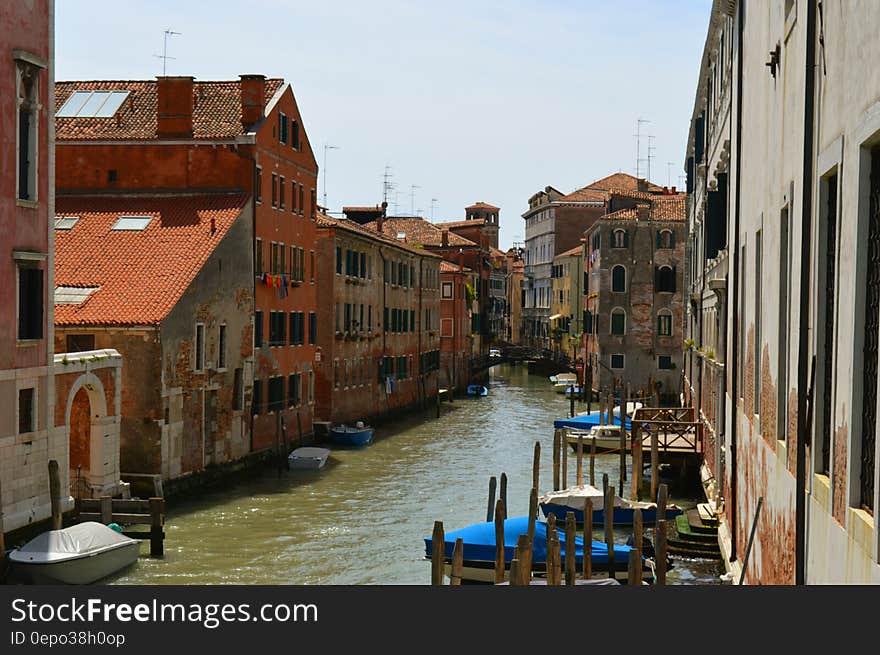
{"x":674,"y":191}
{"x":175,"y":107}
{"x":379,"y":221}
{"x":643,"y":211}
{"x":253,"y":98}
{"x":444,"y":236}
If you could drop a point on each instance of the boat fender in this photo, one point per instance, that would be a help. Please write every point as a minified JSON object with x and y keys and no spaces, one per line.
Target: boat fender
{"x":115,"y":527}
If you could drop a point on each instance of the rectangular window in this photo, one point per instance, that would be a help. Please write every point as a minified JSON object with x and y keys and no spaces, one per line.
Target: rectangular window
{"x":664,"y":362}
{"x":311,"y":387}
{"x":336,"y":374}
{"x":338,"y":260}
{"x":782,"y":365}
{"x":30,"y":303}
{"x":274,"y":190}
{"x":281,"y":190}
{"x":200,"y":347}
{"x":237,"y":389}
{"x":312,"y":266}
{"x":826,"y":305}
{"x":258,"y":329}
{"x":446,"y":290}
{"x":617,"y":361}
{"x":282,"y":128}
{"x":292,"y":197}
{"x":78,"y":343}
{"x":276,"y":394}
{"x":664,"y":325}
{"x":412,"y":320}
{"x":293,"y":390}
{"x":314,"y":206}
{"x":759,"y":283}
{"x":302,"y":201}
{"x":258,"y":184}
{"x":257,"y":403}
{"x":313,"y":328}
{"x":258,"y":257}
{"x":26,"y":411}
{"x":27,"y":81}
{"x":370,"y":318}
{"x":294,"y":134}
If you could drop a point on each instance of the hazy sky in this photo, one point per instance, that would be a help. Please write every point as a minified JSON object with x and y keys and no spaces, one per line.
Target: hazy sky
{"x":469,"y":101}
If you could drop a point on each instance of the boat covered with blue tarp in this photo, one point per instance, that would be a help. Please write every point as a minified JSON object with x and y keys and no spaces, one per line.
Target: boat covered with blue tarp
{"x":588,"y":421}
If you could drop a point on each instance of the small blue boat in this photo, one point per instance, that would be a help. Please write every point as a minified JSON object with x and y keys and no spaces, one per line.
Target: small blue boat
{"x":359,"y":435}
{"x":479,"y":549}
{"x":477,"y":390}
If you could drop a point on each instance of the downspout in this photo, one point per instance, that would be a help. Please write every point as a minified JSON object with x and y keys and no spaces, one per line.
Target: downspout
{"x":735,"y":296}
{"x":421,"y":375}
{"x":804,"y":322}
{"x":254,"y":275}
{"x":384,"y":328}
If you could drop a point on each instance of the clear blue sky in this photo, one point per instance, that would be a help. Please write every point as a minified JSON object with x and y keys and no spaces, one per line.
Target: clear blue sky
{"x":470,"y":101}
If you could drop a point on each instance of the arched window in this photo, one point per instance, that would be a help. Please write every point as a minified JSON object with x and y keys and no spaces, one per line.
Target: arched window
{"x":664,"y":323}
{"x":618,"y":321}
{"x":618,"y":279}
{"x":620,"y":240}
{"x":664,"y":279}
{"x":665,"y":239}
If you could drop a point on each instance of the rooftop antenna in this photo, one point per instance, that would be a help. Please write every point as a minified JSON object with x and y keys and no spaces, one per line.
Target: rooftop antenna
{"x":386,"y":183}
{"x":412,"y":197}
{"x":668,"y":175}
{"x":164,"y":56}
{"x":326,"y":148}
{"x":638,"y":136}
{"x":650,"y":155}
{"x":433,"y":202}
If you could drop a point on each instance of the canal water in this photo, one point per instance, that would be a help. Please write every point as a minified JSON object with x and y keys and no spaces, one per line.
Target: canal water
{"x":363,"y":517}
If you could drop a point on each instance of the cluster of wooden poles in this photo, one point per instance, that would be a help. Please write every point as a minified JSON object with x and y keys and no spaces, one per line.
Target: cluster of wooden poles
{"x":521,"y":564}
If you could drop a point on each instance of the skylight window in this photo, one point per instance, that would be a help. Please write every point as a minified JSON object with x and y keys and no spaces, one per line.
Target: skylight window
{"x":136,"y":223}
{"x":73,"y":295}
{"x":65,"y":222}
{"x":92,"y":104}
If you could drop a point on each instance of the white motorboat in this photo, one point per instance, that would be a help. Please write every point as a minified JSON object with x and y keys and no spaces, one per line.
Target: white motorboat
{"x":308,"y":457}
{"x":80,"y":554}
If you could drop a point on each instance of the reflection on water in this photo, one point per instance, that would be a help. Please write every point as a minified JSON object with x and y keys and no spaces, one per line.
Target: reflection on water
{"x":362,"y":519}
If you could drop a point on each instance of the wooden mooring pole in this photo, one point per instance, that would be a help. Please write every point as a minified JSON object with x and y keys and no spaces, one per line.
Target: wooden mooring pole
{"x":499,"y":542}
{"x":588,"y":539}
{"x":530,"y":530}
{"x":522,"y":554}
{"x":54,"y":494}
{"x":556,"y":440}
{"x":457,"y":562}
{"x":570,"y":533}
{"x":437,"y":554}
{"x":634,"y":569}
{"x":580,"y":460}
{"x":2,"y":536}
{"x":157,"y":529}
{"x":636,"y":461}
{"x":536,"y":466}
{"x":622,"y":456}
{"x":655,"y":462}
{"x":609,"y":527}
{"x":660,"y":551}
{"x":491,"y":504}
{"x":502,"y":494}
{"x":662,"y":499}
{"x":107,"y":510}
{"x":638,"y":529}
{"x":593,"y":461}
{"x":563,"y":446}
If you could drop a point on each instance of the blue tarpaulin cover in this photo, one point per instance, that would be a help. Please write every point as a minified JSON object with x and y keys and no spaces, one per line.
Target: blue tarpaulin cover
{"x":586,"y":422}
{"x":479,"y":543}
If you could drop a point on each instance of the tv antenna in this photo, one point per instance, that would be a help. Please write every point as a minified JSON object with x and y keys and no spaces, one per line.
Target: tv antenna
{"x":412,"y":197}
{"x":387,"y":184}
{"x":433,"y":202}
{"x":326,"y":148}
{"x":164,"y":56}
{"x":650,"y":155}
{"x":638,"y":136}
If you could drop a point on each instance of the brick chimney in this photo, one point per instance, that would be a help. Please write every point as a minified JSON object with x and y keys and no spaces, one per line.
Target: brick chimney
{"x":379,"y":220}
{"x":444,"y":238}
{"x":253,"y":98}
{"x":175,"y":107}
{"x":643,"y":211}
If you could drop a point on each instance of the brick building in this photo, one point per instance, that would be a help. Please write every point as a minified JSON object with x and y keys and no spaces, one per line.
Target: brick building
{"x":43,"y":398}
{"x":457,"y":306}
{"x":181,"y":137}
{"x":378,"y":344}
{"x":633,"y":301}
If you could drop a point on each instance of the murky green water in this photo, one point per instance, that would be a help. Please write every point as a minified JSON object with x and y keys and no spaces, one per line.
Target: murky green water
{"x":362,"y":519}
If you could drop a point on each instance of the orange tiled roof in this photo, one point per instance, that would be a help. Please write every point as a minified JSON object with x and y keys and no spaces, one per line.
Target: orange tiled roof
{"x":577,"y":250}
{"x":474,"y":222}
{"x":482,"y":205}
{"x":661,"y":208}
{"x":418,"y":230}
{"x":623,"y":181}
{"x":216,"y":115}
{"x":449,"y":267}
{"x":364,"y":230}
{"x":584,"y":195}
{"x":141,"y":274}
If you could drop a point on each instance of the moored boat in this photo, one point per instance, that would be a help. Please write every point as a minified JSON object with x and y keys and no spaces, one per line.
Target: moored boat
{"x":477,"y":390}
{"x":564,"y":378}
{"x":309,"y":458}
{"x":479,"y":550}
{"x":607,"y":438}
{"x":559,"y":503}
{"x":80,"y":554}
{"x":357,"y":435}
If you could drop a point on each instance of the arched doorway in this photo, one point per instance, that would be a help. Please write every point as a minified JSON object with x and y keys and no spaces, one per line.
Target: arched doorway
{"x":87,"y":424}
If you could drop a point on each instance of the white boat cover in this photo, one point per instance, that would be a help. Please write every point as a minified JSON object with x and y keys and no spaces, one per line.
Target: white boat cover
{"x":309,"y":452}
{"x":574,"y":497}
{"x":81,"y":540}
{"x":631,"y":407}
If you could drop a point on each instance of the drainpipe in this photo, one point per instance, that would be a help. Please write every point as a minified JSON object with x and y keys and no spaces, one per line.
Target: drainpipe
{"x":804,"y":322}
{"x":421,"y":374}
{"x":384,"y":327}
{"x":735,"y":296}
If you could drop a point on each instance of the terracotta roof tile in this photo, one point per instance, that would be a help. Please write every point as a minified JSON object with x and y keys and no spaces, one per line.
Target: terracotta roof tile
{"x":141,"y":274}
{"x":365,"y":230}
{"x":577,"y":250}
{"x":585,"y":195}
{"x":482,"y":205}
{"x":418,"y":230}
{"x":475,"y":222}
{"x":449,"y":267}
{"x":621,"y":181}
{"x":216,"y":115}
